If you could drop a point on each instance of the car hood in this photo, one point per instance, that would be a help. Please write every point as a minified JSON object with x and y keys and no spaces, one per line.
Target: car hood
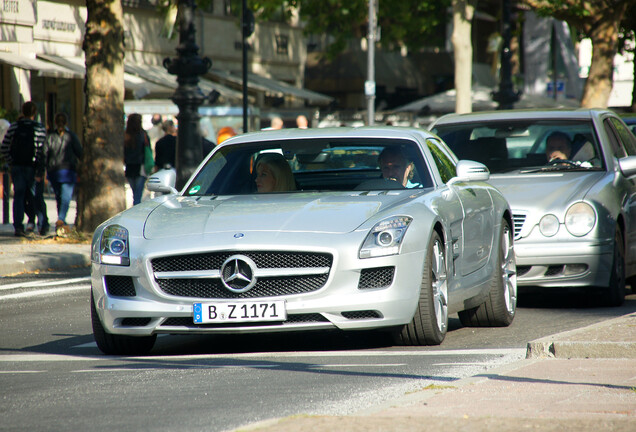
{"x":298,"y":212}
{"x":544,"y":190}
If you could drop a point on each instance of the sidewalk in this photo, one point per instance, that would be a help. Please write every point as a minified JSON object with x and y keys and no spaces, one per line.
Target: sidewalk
{"x":20,"y":255}
{"x":581,"y":380}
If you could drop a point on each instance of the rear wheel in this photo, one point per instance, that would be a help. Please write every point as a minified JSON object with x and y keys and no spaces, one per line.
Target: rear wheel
{"x":430,"y":322}
{"x":118,"y":344}
{"x":500,"y":307}
{"x":614,"y":294}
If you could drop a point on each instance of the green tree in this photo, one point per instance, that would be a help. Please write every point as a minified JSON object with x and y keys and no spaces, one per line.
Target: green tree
{"x":101,"y":189}
{"x":599,"y":20}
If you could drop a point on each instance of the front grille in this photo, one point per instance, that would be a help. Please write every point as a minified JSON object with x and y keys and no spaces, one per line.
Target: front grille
{"x":120,"y":286}
{"x":380,"y":277}
{"x":291,"y":319}
{"x":274,"y":280}
{"x":214,"y":260}
{"x":265,"y":287}
{"x":518,"y":220}
{"x":357,"y":315}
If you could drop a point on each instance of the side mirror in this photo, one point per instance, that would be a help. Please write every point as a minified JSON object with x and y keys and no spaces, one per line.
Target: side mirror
{"x":163,"y":181}
{"x":627,"y":166}
{"x":468,"y":171}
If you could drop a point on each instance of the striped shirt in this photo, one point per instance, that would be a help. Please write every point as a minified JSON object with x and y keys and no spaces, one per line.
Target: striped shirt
{"x":39,"y":138}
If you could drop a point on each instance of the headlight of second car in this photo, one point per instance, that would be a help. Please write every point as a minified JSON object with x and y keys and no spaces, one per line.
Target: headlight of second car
{"x":385,"y":237}
{"x":113,"y":248}
{"x":580,"y":219}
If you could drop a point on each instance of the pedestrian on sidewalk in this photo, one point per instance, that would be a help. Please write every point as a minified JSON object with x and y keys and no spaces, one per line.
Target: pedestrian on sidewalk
{"x":166,"y":147}
{"x":22,"y":148}
{"x":135,"y":142}
{"x":62,"y":151}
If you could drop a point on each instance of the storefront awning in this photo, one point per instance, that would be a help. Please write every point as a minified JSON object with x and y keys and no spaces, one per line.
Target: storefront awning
{"x":137,"y":85}
{"x":159,"y":74}
{"x":273,"y":87}
{"x":43,"y":68}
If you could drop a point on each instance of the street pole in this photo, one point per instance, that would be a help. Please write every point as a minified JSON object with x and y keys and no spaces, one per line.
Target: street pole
{"x":187,"y":66}
{"x":369,"y":85}
{"x":244,"y":25}
{"x":506,"y":96}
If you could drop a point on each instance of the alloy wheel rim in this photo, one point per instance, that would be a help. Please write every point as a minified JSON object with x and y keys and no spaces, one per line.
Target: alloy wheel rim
{"x":440,"y":286}
{"x":509,"y":271}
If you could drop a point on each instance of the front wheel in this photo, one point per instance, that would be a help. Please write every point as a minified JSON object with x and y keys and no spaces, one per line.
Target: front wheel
{"x":112,"y":344}
{"x":614,"y":294}
{"x":500,"y":307}
{"x":430,"y":322}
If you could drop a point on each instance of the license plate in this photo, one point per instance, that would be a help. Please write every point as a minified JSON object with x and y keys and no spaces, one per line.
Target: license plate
{"x":224,"y":312}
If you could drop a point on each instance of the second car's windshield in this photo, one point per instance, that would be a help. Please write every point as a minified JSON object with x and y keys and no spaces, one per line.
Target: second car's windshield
{"x":525,"y":145}
{"x":312,"y":165}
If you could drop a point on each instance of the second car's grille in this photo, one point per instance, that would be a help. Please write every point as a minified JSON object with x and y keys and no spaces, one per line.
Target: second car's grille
{"x":518,"y":220}
{"x":270,"y":287}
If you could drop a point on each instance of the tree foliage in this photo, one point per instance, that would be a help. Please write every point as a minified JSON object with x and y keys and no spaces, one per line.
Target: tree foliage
{"x":599,"y":20}
{"x":410,"y":23}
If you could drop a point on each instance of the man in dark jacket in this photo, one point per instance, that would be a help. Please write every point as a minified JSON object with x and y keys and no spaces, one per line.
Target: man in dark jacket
{"x":166,"y":147}
{"x":22,"y":150}
{"x":62,"y":150}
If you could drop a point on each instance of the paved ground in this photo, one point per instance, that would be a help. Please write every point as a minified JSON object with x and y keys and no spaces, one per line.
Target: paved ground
{"x":582,"y":380}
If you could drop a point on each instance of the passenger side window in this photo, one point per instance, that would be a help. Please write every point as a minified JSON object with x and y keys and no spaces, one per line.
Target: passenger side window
{"x":627,"y":139}
{"x":441,"y":155}
{"x":615,"y":143}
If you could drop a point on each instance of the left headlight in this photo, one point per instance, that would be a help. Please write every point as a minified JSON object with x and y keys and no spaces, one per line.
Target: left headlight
{"x":385,"y":237}
{"x":580,"y":219}
{"x":113,"y":246}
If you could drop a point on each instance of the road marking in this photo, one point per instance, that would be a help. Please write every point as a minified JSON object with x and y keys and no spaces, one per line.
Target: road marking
{"x":44,"y":283}
{"x":22,"y":372}
{"x":317,"y":366}
{"x":463,"y":352}
{"x":44,"y":292}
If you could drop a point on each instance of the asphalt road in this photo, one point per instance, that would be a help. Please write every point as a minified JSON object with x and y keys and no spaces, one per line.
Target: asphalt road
{"x":52,"y":377}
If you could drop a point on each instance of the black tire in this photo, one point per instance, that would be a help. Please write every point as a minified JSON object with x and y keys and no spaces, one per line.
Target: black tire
{"x":430,"y":322}
{"x":111,"y":344}
{"x":501,"y":305}
{"x":614,"y":294}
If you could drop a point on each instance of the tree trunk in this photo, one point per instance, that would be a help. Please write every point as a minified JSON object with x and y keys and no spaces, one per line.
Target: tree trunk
{"x":598,"y":86}
{"x":101,"y":191}
{"x":463,"y":11}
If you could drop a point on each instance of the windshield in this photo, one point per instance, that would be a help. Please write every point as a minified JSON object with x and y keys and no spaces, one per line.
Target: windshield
{"x":312,"y":165}
{"x":541,"y":145}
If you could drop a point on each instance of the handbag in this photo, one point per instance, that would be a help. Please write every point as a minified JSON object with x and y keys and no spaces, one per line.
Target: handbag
{"x":149,"y":160}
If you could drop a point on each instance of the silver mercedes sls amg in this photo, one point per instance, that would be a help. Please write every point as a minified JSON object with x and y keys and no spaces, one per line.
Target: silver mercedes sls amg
{"x":569,"y":178}
{"x":298,"y":230}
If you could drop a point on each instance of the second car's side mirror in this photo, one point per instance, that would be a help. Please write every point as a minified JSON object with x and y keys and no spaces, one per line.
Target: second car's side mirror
{"x":628,"y":166}
{"x":163,"y":181}
{"x":468,"y":170}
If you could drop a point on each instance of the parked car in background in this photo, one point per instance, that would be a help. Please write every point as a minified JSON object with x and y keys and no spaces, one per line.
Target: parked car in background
{"x":574,"y":216}
{"x":630,"y":121}
{"x":342,"y":247}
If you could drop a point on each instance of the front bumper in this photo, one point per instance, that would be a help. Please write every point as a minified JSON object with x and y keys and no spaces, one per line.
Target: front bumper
{"x":340,"y":303}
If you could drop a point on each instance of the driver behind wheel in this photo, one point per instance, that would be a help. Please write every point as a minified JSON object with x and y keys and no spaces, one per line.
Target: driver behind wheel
{"x":395,"y":166}
{"x":558,"y":146}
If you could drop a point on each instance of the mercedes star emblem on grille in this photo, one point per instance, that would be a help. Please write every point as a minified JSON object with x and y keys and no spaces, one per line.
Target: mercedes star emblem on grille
{"x":237,"y":273}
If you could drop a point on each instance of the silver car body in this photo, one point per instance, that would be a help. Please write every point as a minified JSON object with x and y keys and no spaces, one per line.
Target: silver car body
{"x":180,"y":246}
{"x":603,"y":179}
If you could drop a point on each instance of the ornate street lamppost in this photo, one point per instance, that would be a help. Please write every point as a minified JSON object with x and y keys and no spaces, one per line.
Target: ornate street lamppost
{"x":506,"y":96}
{"x":187,"y":66}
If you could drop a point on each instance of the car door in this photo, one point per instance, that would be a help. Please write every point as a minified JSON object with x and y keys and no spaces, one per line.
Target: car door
{"x":623,"y":143}
{"x":470,"y":214}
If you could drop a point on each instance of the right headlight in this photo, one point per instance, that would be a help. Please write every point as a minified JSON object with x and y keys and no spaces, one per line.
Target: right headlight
{"x":580,"y":219}
{"x":113,"y":246}
{"x":385,"y":237}
{"x":549,"y":225}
